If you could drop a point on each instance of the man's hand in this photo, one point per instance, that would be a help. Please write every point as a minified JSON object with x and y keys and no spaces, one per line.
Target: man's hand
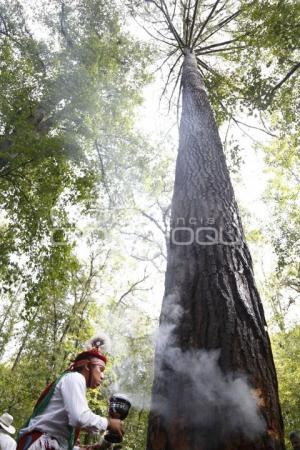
{"x":115,"y":426}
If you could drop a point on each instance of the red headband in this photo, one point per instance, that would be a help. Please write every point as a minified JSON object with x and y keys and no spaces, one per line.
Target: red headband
{"x":89,"y":356}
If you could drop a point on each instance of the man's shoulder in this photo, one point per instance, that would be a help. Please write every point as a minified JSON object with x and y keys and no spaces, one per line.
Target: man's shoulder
{"x":6,"y":437}
{"x":72,"y":378}
{"x":76,"y":377}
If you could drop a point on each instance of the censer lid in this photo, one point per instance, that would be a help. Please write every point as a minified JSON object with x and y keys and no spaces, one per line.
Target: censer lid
{"x":120,"y":396}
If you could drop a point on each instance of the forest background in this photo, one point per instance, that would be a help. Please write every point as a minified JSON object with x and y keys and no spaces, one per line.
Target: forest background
{"x":86,"y":178}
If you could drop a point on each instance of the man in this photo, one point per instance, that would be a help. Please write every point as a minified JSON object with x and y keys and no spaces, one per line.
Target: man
{"x":7,"y":442}
{"x":62,"y":408}
{"x":295,"y":439}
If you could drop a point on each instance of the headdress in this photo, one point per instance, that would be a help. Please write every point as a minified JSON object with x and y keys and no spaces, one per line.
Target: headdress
{"x":93,"y":354}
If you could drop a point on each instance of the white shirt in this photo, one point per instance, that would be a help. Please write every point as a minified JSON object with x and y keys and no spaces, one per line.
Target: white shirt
{"x":68,"y":406}
{"x":7,"y":442}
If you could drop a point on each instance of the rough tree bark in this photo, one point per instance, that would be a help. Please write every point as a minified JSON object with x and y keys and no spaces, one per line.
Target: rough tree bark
{"x":213,"y":283}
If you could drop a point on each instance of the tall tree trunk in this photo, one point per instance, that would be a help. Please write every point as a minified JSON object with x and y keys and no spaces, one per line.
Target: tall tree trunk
{"x":200,"y":401}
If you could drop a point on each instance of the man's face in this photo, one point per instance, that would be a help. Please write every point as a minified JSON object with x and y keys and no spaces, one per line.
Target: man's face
{"x":295,"y":441}
{"x":97,"y":375}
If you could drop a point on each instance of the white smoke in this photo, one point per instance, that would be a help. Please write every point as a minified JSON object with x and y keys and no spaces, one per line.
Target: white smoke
{"x":193,"y":379}
{"x":132,"y":368}
{"x":128,"y":380}
{"x":208,"y":398}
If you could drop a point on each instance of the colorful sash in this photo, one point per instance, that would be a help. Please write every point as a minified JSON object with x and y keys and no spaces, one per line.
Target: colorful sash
{"x":40,"y":407}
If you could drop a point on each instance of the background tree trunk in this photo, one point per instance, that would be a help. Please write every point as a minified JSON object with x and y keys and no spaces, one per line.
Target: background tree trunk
{"x":210,"y":282}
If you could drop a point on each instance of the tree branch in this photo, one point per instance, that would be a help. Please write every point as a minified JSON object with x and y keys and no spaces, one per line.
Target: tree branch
{"x":227,"y":49}
{"x":62,"y":25}
{"x":152,"y":220}
{"x":193,"y":23}
{"x":219,"y":44}
{"x":288,"y":75}
{"x":205,"y":22}
{"x":253,"y":127}
{"x":131,"y":289}
{"x":206,"y":66}
{"x":173,"y":52}
{"x":174,"y":88}
{"x":168,"y":79}
{"x":155,"y":37}
{"x":174,"y":10}
{"x":220,"y":25}
{"x":165,"y":12}
{"x":97,"y":146}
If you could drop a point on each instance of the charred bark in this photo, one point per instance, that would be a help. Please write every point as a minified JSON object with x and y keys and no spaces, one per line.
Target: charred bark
{"x":210,"y":279}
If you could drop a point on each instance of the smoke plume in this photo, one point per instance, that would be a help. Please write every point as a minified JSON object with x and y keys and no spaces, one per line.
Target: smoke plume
{"x":194,"y":390}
